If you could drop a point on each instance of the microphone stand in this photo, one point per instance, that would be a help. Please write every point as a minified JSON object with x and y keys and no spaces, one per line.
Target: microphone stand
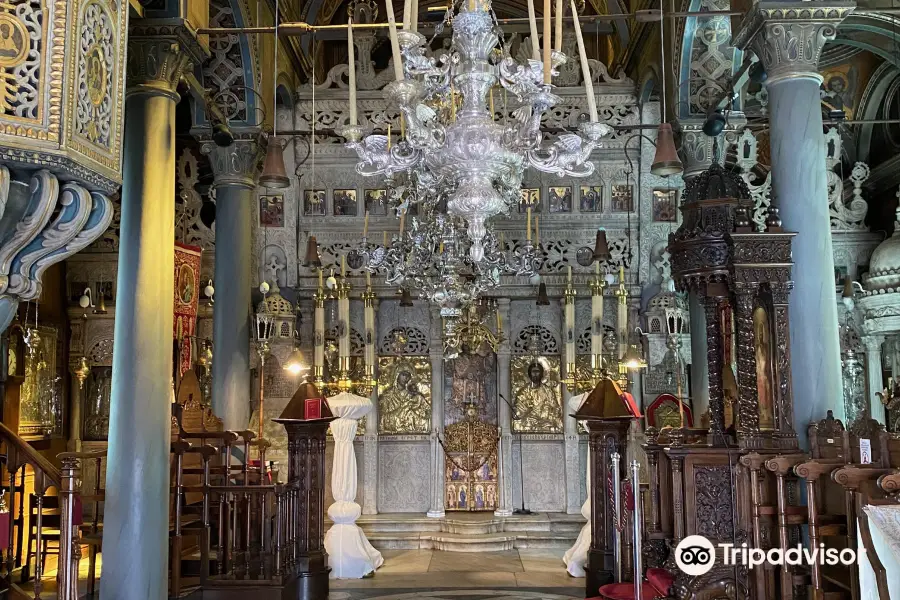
{"x":516,"y":417}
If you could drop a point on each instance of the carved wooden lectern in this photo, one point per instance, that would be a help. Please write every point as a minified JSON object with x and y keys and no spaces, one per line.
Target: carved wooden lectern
{"x":302,"y":499}
{"x":607,"y":412}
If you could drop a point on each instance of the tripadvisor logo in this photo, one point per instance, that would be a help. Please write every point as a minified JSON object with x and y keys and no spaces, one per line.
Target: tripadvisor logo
{"x":696,"y":555}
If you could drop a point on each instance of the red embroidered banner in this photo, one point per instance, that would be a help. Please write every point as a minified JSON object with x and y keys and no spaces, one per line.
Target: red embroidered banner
{"x":186,"y":300}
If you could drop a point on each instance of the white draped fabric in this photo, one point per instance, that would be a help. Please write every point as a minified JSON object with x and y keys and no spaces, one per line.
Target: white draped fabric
{"x":350,"y":555}
{"x":575,"y":557}
{"x":884,"y":525}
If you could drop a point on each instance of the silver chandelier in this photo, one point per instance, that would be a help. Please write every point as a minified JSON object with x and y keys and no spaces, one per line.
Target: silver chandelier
{"x":476,"y":163}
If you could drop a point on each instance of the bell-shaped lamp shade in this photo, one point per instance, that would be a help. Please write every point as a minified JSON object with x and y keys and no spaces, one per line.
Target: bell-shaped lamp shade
{"x":405,"y":298}
{"x":848,"y":288}
{"x":601,"y":246}
{"x":633,"y":361}
{"x":274,"y":174}
{"x":542,"y":299}
{"x":295,"y":363}
{"x":312,"y":253}
{"x":666,"y":161}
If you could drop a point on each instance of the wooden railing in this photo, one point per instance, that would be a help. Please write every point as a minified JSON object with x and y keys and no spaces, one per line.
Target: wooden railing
{"x":19,"y":454}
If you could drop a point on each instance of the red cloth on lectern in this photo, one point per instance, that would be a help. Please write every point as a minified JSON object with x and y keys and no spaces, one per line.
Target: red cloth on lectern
{"x":77,"y":512}
{"x":4,"y":530}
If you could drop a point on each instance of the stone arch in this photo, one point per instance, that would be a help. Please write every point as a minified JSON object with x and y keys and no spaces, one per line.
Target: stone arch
{"x":705,"y":58}
{"x":229,"y":73}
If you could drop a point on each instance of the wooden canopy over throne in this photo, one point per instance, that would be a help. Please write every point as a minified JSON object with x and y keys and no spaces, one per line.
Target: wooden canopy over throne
{"x":699,"y":484}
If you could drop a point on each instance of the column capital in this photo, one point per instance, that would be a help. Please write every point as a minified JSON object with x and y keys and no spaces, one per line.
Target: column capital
{"x":236,"y":165}
{"x":697,"y":147}
{"x":872,"y":342}
{"x":159,"y":54}
{"x":789,"y":36}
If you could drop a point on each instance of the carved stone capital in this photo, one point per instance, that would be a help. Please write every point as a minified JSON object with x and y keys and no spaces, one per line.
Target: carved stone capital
{"x":697,"y":147}
{"x":789,"y":37}
{"x":155,"y":66}
{"x":873,"y":343}
{"x":237,"y":165}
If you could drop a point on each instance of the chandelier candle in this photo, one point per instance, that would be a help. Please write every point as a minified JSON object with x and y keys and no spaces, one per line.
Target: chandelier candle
{"x":407,"y":14}
{"x":546,"y":41}
{"x":532,"y":25}
{"x":366,"y":227}
{"x":528,"y":223}
{"x":395,"y":43}
{"x":351,"y":72}
{"x":559,"y":25}
{"x":585,"y":69}
{"x":414,"y":20}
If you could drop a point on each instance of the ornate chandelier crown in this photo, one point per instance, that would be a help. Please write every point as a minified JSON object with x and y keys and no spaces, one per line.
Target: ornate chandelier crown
{"x":473,"y":163}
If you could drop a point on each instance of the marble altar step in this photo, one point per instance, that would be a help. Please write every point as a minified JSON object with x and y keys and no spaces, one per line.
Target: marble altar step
{"x":471,"y":532}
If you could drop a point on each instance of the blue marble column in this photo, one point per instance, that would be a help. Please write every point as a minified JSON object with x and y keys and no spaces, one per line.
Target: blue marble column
{"x":135,"y":534}
{"x":789,"y":44}
{"x":234,"y":169}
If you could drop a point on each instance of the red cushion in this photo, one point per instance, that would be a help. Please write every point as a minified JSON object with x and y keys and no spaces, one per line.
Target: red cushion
{"x":625,"y":591}
{"x":660,"y":579}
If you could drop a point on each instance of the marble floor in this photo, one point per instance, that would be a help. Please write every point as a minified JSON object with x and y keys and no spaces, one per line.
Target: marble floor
{"x":431,"y":574}
{"x":509,"y":575}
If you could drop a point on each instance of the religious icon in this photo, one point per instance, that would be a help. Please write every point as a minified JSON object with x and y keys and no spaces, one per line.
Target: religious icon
{"x":538,"y":401}
{"x":271,"y":211}
{"x":13,"y":41}
{"x":451,"y":496}
{"x":404,"y":402}
{"x":532,"y":197}
{"x":344,"y":203}
{"x":763,"y":368}
{"x":837,"y":91}
{"x":491,"y":497}
{"x":664,"y":202}
{"x":560,"y":199}
{"x":186,"y":286}
{"x":622,"y":198}
{"x":479,"y":496}
{"x":376,"y":202}
{"x":95,"y":75}
{"x":314,"y":203}
{"x":591,"y":198}
{"x":463,"y":493}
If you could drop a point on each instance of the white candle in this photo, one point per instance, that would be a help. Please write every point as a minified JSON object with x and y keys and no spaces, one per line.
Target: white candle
{"x":395,"y":44}
{"x":351,"y":71}
{"x":528,"y":223}
{"x":532,"y":25}
{"x":559,"y":24}
{"x":414,"y":20}
{"x":407,"y":13}
{"x":585,"y":69}
{"x":546,"y":41}
{"x":570,"y":273}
